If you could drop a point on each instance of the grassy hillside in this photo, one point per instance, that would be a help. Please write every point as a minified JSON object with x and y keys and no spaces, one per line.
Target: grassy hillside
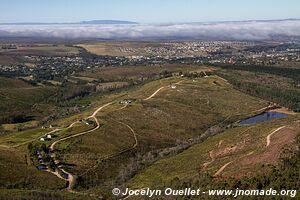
{"x":169,"y":119}
{"x":244,"y":148}
{"x":134,"y":73}
{"x":13,"y":194}
{"x":18,"y":100}
{"x":6,"y":83}
{"x":16,"y":171}
{"x":141,"y":137}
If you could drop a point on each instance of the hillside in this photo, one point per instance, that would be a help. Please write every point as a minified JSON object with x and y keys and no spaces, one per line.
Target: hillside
{"x":17,"y":172}
{"x":18,"y":99}
{"x":159,"y":122}
{"x":237,"y":152}
{"x":152,"y":134}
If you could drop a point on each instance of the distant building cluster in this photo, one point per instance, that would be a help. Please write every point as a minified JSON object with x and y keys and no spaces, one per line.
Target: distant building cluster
{"x":193,"y":52}
{"x":8,"y":46}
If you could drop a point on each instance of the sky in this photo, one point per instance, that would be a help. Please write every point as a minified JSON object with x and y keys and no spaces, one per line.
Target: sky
{"x":146,"y":11}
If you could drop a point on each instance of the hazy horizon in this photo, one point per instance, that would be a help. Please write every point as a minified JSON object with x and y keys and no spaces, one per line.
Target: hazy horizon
{"x":175,"y":11}
{"x":137,"y":22}
{"x":250,"y":30}
{"x":190,"y":19}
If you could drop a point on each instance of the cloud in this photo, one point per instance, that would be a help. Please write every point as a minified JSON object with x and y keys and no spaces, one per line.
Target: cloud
{"x":249,"y":30}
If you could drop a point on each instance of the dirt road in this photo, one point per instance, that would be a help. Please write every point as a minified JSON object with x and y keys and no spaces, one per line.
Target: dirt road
{"x":159,"y":89}
{"x":222,"y":169}
{"x":269,"y":136}
{"x":152,"y":95}
{"x":85,"y":132}
{"x":70,"y":178}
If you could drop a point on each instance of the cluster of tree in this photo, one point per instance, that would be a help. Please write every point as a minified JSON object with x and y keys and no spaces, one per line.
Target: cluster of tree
{"x":15,"y":117}
{"x":288,"y":97}
{"x":69,"y":91}
{"x":197,"y":74}
{"x":293,"y":73}
{"x":165,"y":74}
{"x":33,"y":149}
{"x":269,"y":48}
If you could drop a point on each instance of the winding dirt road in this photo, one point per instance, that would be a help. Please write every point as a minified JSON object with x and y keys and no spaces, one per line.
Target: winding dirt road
{"x":159,"y":89}
{"x":222,"y":169}
{"x":71,"y":179}
{"x":269,"y":136}
{"x":152,"y":95}
{"x":85,"y":132}
{"x":118,"y":153}
{"x":133,"y":133}
{"x":131,"y":129}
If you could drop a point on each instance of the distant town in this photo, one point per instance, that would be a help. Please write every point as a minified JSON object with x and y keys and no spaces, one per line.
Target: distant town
{"x":198,"y":52}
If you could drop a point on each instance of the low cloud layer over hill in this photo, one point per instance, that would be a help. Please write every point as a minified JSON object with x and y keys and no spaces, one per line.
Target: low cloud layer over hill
{"x":249,"y":30}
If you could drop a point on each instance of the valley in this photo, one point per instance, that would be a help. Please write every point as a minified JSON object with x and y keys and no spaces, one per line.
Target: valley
{"x":83,"y":132}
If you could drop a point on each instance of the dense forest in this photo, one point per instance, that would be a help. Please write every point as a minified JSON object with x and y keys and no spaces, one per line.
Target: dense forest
{"x":281,"y":71}
{"x":283,"y":89}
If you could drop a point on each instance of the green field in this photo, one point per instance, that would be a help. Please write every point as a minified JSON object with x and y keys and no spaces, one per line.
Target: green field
{"x":113,"y":48}
{"x":23,"y":137}
{"x":45,"y":49}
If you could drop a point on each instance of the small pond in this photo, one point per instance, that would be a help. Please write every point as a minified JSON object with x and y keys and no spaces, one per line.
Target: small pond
{"x":263,"y":117}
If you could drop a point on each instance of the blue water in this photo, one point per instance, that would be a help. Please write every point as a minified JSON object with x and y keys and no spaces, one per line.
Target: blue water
{"x":263,"y":117}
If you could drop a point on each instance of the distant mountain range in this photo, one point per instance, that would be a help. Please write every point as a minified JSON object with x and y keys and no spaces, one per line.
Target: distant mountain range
{"x":107,"y":22}
{"x":83,"y":22}
{"x":116,"y":22}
